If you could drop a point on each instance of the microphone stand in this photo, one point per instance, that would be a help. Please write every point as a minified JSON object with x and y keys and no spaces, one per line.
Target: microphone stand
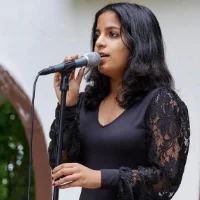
{"x":64,"y":87}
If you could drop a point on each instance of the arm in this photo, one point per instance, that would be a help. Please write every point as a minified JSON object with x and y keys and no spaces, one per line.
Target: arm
{"x":168,"y":133}
{"x":71,"y":143}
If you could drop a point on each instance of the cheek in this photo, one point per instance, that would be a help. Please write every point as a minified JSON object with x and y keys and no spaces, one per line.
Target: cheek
{"x":122,"y":50}
{"x":123,"y":57}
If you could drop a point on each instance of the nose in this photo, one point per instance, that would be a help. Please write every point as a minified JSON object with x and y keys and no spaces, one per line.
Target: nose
{"x":100,"y":42}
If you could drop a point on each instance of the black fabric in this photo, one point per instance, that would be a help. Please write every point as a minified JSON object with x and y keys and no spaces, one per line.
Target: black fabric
{"x":141,"y":154}
{"x":71,"y":142}
{"x":167,"y":133}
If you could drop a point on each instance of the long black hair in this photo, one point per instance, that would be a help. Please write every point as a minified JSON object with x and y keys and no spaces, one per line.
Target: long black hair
{"x":146,"y":68}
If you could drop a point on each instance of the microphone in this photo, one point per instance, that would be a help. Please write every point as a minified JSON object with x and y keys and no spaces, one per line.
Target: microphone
{"x":91,"y":59}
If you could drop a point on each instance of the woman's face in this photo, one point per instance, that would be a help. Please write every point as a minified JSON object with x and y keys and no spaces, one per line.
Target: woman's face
{"x":109,"y":44}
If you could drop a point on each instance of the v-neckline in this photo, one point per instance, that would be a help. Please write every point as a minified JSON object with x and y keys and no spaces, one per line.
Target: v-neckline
{"x":110,"y":123}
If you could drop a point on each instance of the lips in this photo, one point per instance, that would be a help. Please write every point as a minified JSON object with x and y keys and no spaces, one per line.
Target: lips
{"x":103,"y":55}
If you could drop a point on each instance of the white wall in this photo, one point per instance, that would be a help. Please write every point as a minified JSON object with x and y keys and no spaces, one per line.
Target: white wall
{"x":36,"y":34}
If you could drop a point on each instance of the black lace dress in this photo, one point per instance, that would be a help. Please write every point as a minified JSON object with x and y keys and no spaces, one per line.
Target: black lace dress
{"x":141,"y":154}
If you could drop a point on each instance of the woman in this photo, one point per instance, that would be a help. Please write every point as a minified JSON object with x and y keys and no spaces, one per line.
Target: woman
{"x":127,"y":136}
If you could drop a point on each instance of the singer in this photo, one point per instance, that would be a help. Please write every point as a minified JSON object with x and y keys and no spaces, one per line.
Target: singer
{"x":126,"y":136}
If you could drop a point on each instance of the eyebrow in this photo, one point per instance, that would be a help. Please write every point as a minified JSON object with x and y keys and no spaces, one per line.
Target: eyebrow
{"x":109,"y":28}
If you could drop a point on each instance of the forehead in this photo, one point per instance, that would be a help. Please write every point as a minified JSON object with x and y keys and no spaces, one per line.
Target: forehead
{"x":108,"y":19}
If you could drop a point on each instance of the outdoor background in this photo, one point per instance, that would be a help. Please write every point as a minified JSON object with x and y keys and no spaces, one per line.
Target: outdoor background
{"x":37,"y":34}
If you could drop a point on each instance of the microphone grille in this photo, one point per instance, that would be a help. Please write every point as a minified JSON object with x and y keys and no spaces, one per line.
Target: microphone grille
{"x":93,"y":59}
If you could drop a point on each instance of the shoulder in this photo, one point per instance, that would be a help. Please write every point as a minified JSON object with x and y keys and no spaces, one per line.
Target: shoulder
{"x":168,"y":101}
{"x":168,"y":115}
{"x":166,"y":96}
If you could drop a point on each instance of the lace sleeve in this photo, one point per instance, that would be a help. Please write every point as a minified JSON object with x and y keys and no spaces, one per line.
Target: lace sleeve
{"x":167,"y":142}
{"x":71,"y":142}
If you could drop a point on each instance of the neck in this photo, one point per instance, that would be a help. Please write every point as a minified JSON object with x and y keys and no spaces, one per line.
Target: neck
{"x":115,"y":86}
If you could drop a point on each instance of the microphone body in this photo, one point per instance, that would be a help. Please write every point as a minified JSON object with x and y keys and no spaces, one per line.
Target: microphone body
{"x":91,"y":60}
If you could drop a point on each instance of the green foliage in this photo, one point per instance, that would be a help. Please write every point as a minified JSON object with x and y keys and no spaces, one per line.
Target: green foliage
{"x":14,"y":155}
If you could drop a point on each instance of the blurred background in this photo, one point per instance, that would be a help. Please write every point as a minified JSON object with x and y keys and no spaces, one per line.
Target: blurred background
{"x":37,"y":34}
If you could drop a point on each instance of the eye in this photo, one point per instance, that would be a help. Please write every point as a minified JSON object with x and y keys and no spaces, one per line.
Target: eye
{"x":96,"y":35}
{"x":113,"y":34}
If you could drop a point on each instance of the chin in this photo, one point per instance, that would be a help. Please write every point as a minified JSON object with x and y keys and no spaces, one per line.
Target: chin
{"x":100,"y":67}
{"x":103,"y":70}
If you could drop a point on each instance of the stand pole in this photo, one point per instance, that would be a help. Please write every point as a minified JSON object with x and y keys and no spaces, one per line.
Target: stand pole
{"x":64,"y":87}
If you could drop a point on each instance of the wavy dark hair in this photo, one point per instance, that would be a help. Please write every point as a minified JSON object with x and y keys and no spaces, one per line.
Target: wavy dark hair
{"x":146,"y":68}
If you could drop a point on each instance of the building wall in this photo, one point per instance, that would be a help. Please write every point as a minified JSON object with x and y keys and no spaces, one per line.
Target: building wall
{"x":36,"y":34}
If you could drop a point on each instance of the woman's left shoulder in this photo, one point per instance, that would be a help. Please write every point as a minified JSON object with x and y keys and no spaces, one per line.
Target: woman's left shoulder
{"x":166,"y":96}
